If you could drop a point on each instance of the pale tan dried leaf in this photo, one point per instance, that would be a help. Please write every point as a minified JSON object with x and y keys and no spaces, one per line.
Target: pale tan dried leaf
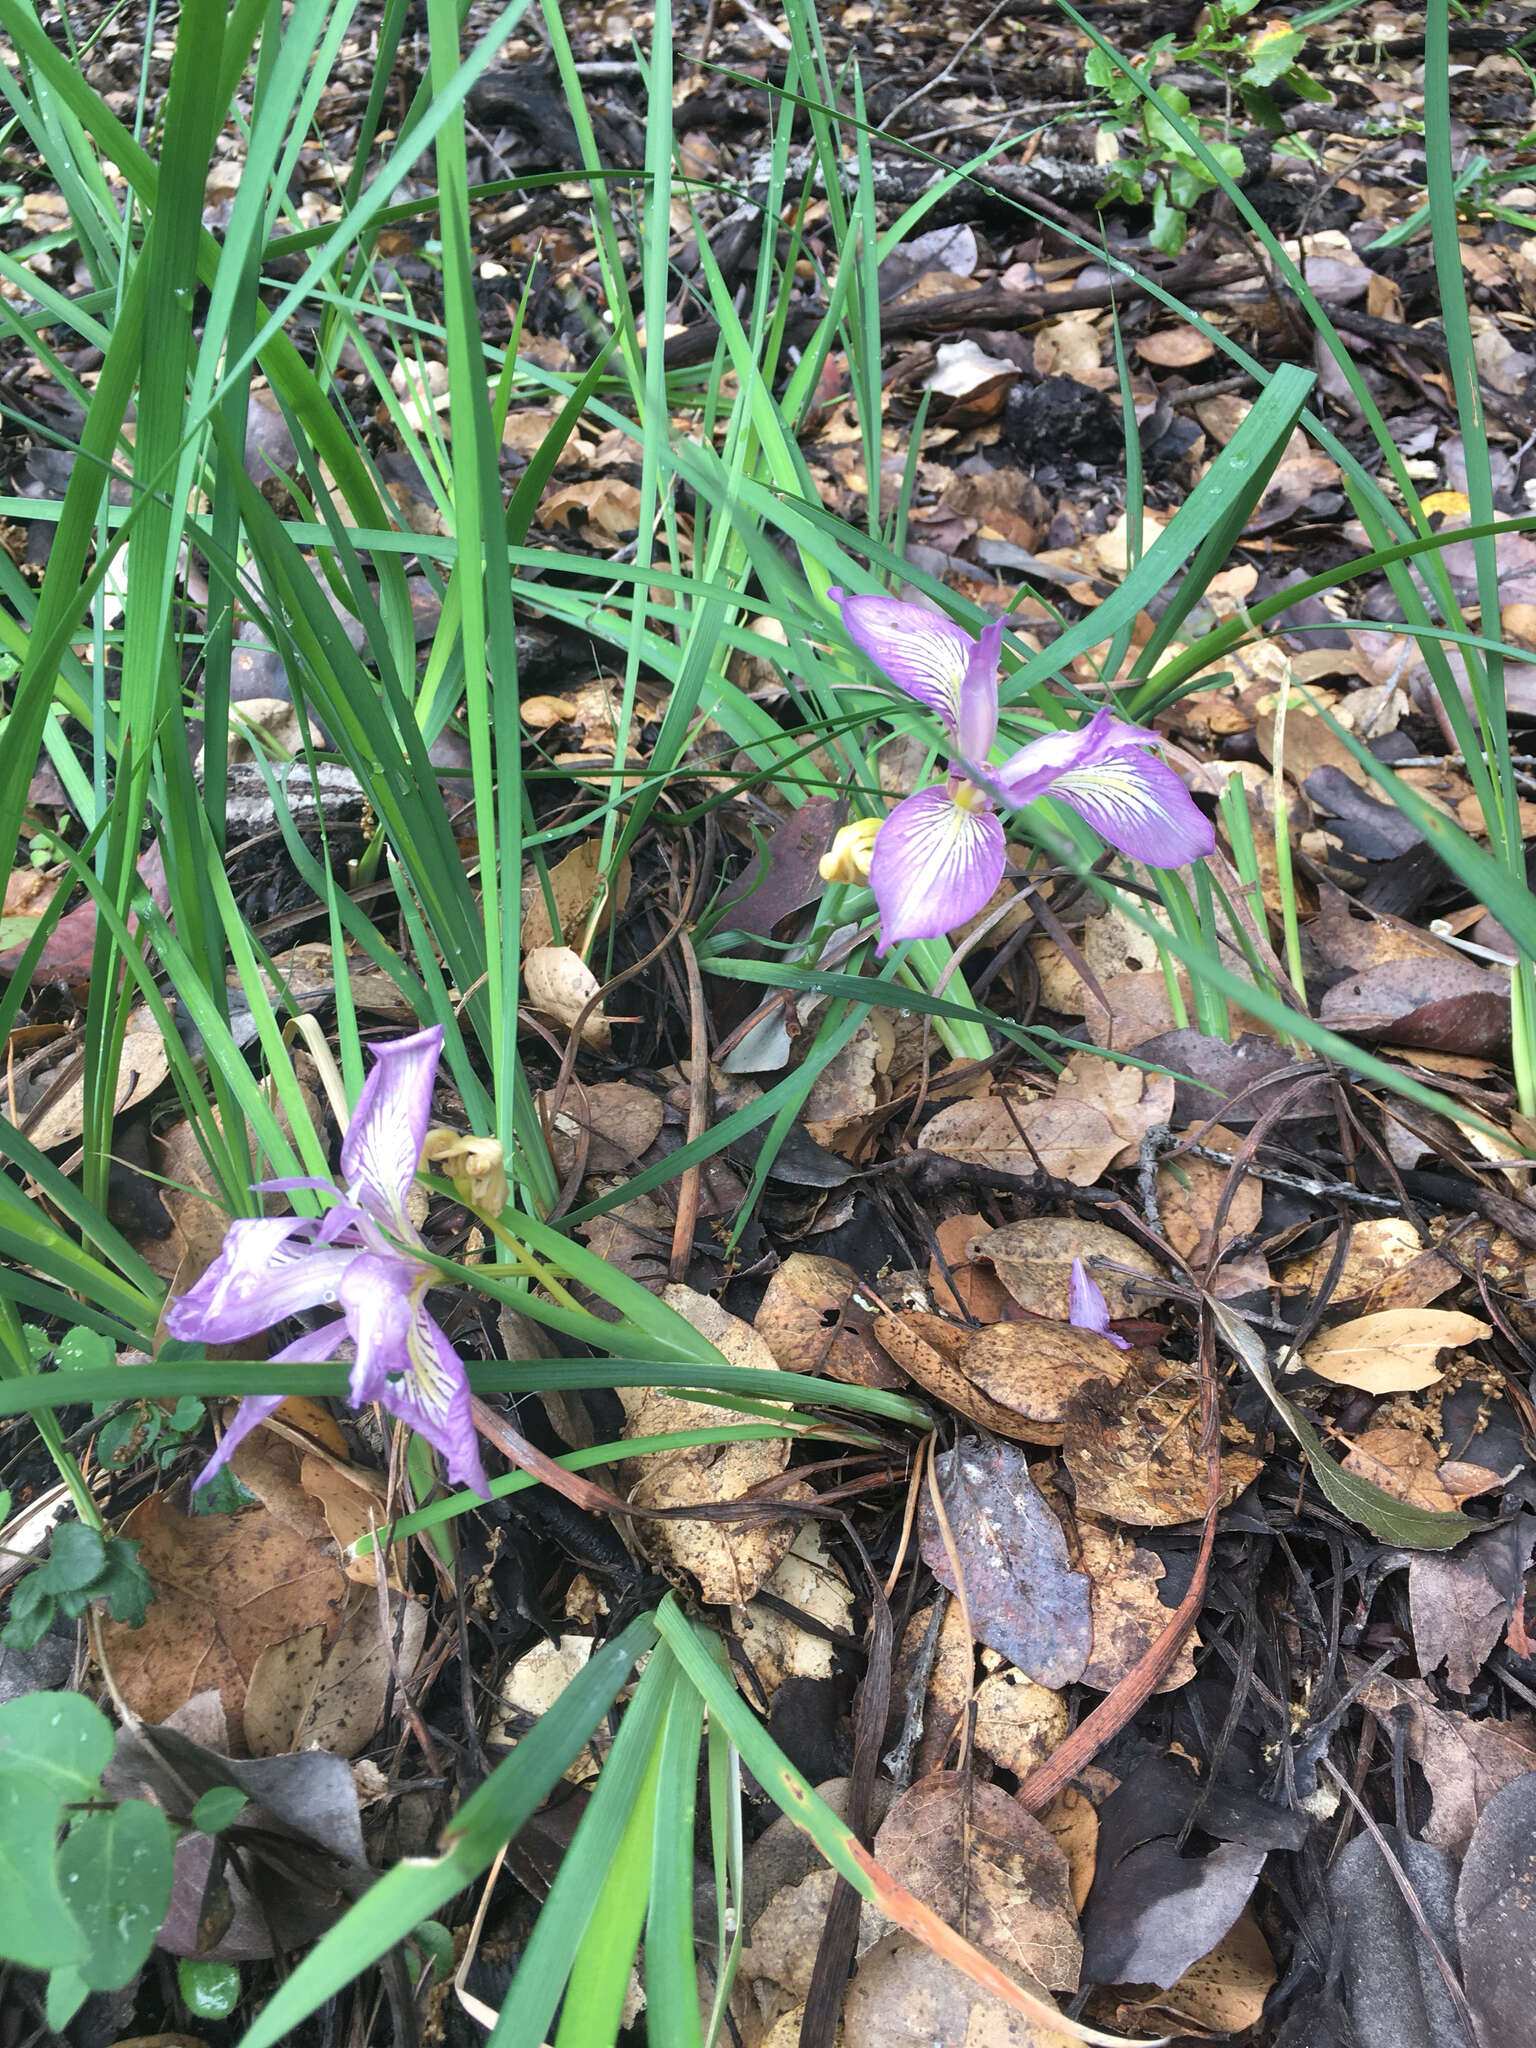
{"x":1071,"y":1140}
{"x":1132,"y":1100}
{"x":808,"y":1579}
{"x":619,"y":1120}
{"x":1175,"y":348}
{"x":732,"y":1558}
{"x":575,"y":883}
{"x":971,"y":1853}
{"x":1067,"y":347}
{"x":1394,"y":1350}
{"x":1128,"y":1615}
{"x":1222,"y":1994}
{"x":1019,"y":1723}
{"x":561,"y":984}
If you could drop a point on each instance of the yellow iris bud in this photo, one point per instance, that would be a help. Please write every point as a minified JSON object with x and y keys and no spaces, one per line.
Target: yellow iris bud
{"x":474,"y":1165}
{"x":849,"y":856}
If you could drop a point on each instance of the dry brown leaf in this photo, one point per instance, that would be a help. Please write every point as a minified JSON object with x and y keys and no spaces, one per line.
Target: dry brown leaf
{"x":619,"y":1120}
{"x":1189,"y":1192}
{"x":973,"y":1855}
{"x":1134,"y":1450}
{"x":849,"y":1087}
{"x":636,"y":1237}
{"x":1175,"y":348}
{"x":1466,"y":1761}
{"x":1393,"y":1351}
{"x":1401,"y":1463}
{"x":1018,"y":1722}
{"x":1071,"y":1140}
{"x":976,"y":1291}
{"x":1072,"y":1822}
{"x":907,"y":1997}
{"x":1223,"y":1993}
{"x":1061,"y":986}
{"x":1128,"y":1615}
{"x":1133,"y":1101}
{"x":1034,"y":1262}
{"x":227,"y":1587}
{"x":812,"y":1322}
{"x":575,"y":884}
{"x":561,"y":984}
{"x":1385,"y":1266}
{"x":929,"y":1350}
{"x":1034,"y":1369}
{"x":1067,"y":347}
{"x":305,"y":1696}
{"x":603,"y":508}
{"x":142,"y":1065}
{"x":731,"y":1559}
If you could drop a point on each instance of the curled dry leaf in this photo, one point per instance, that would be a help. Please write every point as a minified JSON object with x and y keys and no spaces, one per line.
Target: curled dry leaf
{"x":1393,"y":1351}
{"x":1024,"y":1600}
{"x":971,"y":1290}
{"x":1069,"y":1140}
{"x":907,"y":1997}
{"x":142,"y":1065}
{"x":730,"y":1558}
{"x":1034,"y":1368}
{"x":1034,"y":1262}
{"x":1134,"y":1450}
{"x":561,"y":984}
{"x":1403,"y":1464}
{"x":1072,"y":1822}
{"x":930,"y":1351}
{"x":812,"y":1321}
{"x":575,"y":883}
{"x":305,"y":1696}
{"x":1222,"y":1993}
{"x":972,"y":1854}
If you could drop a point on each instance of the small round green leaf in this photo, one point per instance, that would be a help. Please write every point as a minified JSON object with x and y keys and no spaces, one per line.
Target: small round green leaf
{"x":217,"y":1808}
{"x":210,"y":1991}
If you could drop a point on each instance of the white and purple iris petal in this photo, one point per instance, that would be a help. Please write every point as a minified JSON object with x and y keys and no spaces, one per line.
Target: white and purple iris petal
{"x":271,"y":1268}
{"x":941,"y":853}
{"x":1086,"y":1307}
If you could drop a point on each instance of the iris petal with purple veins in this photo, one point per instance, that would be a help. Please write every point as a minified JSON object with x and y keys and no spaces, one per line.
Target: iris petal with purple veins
{"x":271,"y":1268}
{"x":941,"y":853}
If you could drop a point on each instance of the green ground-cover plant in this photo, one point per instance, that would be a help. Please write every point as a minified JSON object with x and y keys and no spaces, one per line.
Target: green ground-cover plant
{"x":112,"y":680}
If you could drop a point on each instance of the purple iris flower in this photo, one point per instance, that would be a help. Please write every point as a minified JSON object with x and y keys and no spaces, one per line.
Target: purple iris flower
{"x":357,"y":1257}
{"x":941,"y":853}
{"x":1086,"y":1307}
